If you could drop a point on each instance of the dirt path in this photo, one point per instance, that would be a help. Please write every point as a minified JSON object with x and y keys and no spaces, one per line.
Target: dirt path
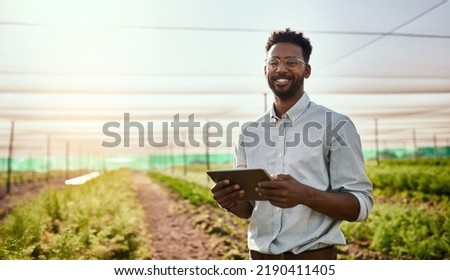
{"x":173,"y":234}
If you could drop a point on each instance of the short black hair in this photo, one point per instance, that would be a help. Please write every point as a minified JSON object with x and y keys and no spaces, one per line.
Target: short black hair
{"x":289,"y":36}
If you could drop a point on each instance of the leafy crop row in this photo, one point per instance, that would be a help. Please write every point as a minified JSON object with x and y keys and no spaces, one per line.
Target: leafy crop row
{"x":426,"y":179}
{"x":195,"y":193}
{"x":98,"y":220}
{"x":399,"y":232}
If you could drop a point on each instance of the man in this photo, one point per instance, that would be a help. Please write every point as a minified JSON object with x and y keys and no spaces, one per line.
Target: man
{"x":316,"y":157}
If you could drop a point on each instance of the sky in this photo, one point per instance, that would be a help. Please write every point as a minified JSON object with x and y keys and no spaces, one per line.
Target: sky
{"x":67,"y":68}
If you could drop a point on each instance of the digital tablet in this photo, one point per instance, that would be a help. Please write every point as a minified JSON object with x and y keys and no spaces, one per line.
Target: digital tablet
{"x":247,"y":178}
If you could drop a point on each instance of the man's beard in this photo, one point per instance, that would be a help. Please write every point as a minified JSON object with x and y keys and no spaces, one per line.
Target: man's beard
{"x":287,"y":93}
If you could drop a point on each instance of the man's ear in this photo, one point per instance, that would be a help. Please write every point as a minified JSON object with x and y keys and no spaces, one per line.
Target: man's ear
{"x":307,"y":71}
{"x":265,"y":71}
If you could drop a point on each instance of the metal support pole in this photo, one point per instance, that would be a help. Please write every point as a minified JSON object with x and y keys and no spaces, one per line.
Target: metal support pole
{"x":10,"y":154}
{"x":435,"y":146}
{"x":416,"y":152}
{"x":47,"y":177}
{"x":67,"y":160}
{"x":377,"y":152}
{"x":184,"y":157}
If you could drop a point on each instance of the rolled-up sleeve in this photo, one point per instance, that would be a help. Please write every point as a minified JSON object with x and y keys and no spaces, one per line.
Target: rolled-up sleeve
{"x":347,"y":168}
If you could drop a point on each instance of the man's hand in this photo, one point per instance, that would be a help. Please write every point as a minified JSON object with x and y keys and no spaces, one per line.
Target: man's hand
{"x":226,"y":194}
{"x":283,"y":191}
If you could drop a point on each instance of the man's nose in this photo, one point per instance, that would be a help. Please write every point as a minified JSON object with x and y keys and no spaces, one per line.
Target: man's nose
{"x":281,"y":67}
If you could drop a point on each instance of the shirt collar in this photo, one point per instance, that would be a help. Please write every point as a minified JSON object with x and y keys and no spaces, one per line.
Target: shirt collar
{"x":295,"y":111}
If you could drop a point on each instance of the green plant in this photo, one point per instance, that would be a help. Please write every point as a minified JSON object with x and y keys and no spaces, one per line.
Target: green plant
{"x":195,"y":193}
{"x":100,"y":219}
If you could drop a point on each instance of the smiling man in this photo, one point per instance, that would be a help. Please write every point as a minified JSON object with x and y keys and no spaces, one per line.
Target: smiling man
{"x":318,"y":179}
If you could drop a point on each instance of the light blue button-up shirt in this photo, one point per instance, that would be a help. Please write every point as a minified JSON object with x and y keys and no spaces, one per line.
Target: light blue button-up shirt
{"x":319,"y":148}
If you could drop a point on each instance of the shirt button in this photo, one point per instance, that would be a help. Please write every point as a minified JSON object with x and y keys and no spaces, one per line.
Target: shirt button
{"x":279,"y":155}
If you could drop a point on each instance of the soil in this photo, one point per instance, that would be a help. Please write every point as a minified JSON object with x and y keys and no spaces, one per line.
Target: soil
{"x":173,"y":234}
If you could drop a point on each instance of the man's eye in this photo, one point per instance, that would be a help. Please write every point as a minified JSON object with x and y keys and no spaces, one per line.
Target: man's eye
{"x":291,"y":63}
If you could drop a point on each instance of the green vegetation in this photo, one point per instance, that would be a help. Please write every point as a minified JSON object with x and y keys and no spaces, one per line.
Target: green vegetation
{"x":427,"y":176}
{"x":21,"y":177}
{"x":195,"y":193}
{"x":102,"y":219}
{"x":97,"y":220}
{"x":411,"y":215}
{"x":410,"y":219}
{"x":420,"y":162}
{"x":24,"y":177}
{"x":400,"y":231}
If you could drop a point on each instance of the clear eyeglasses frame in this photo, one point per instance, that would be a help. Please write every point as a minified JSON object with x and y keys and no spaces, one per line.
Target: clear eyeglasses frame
{"x":290,"y":62}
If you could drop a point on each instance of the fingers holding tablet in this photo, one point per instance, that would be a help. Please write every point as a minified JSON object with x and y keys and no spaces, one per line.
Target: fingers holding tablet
{"x":243,"y":182}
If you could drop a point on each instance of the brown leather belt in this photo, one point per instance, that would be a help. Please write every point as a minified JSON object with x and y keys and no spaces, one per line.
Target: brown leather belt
{"x":327,"y":253}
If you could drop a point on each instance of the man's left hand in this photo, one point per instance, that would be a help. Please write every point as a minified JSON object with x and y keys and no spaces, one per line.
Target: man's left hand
{"x":283,"y":191}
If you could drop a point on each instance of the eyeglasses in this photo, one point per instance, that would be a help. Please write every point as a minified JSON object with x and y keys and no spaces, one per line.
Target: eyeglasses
{"x":291,"y":62}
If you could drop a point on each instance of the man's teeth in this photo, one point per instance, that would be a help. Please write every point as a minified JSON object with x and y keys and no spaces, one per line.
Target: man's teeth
{"x":282,"y":80}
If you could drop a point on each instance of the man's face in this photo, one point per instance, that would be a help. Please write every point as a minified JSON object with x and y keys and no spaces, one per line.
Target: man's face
{"x":286,"y":82}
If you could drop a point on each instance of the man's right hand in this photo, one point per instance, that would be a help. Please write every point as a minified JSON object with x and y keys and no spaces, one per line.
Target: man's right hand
{"x":226,"y":194}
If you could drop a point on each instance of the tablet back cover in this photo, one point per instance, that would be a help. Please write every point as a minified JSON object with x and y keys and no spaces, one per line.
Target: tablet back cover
{"x":248,"y":179}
